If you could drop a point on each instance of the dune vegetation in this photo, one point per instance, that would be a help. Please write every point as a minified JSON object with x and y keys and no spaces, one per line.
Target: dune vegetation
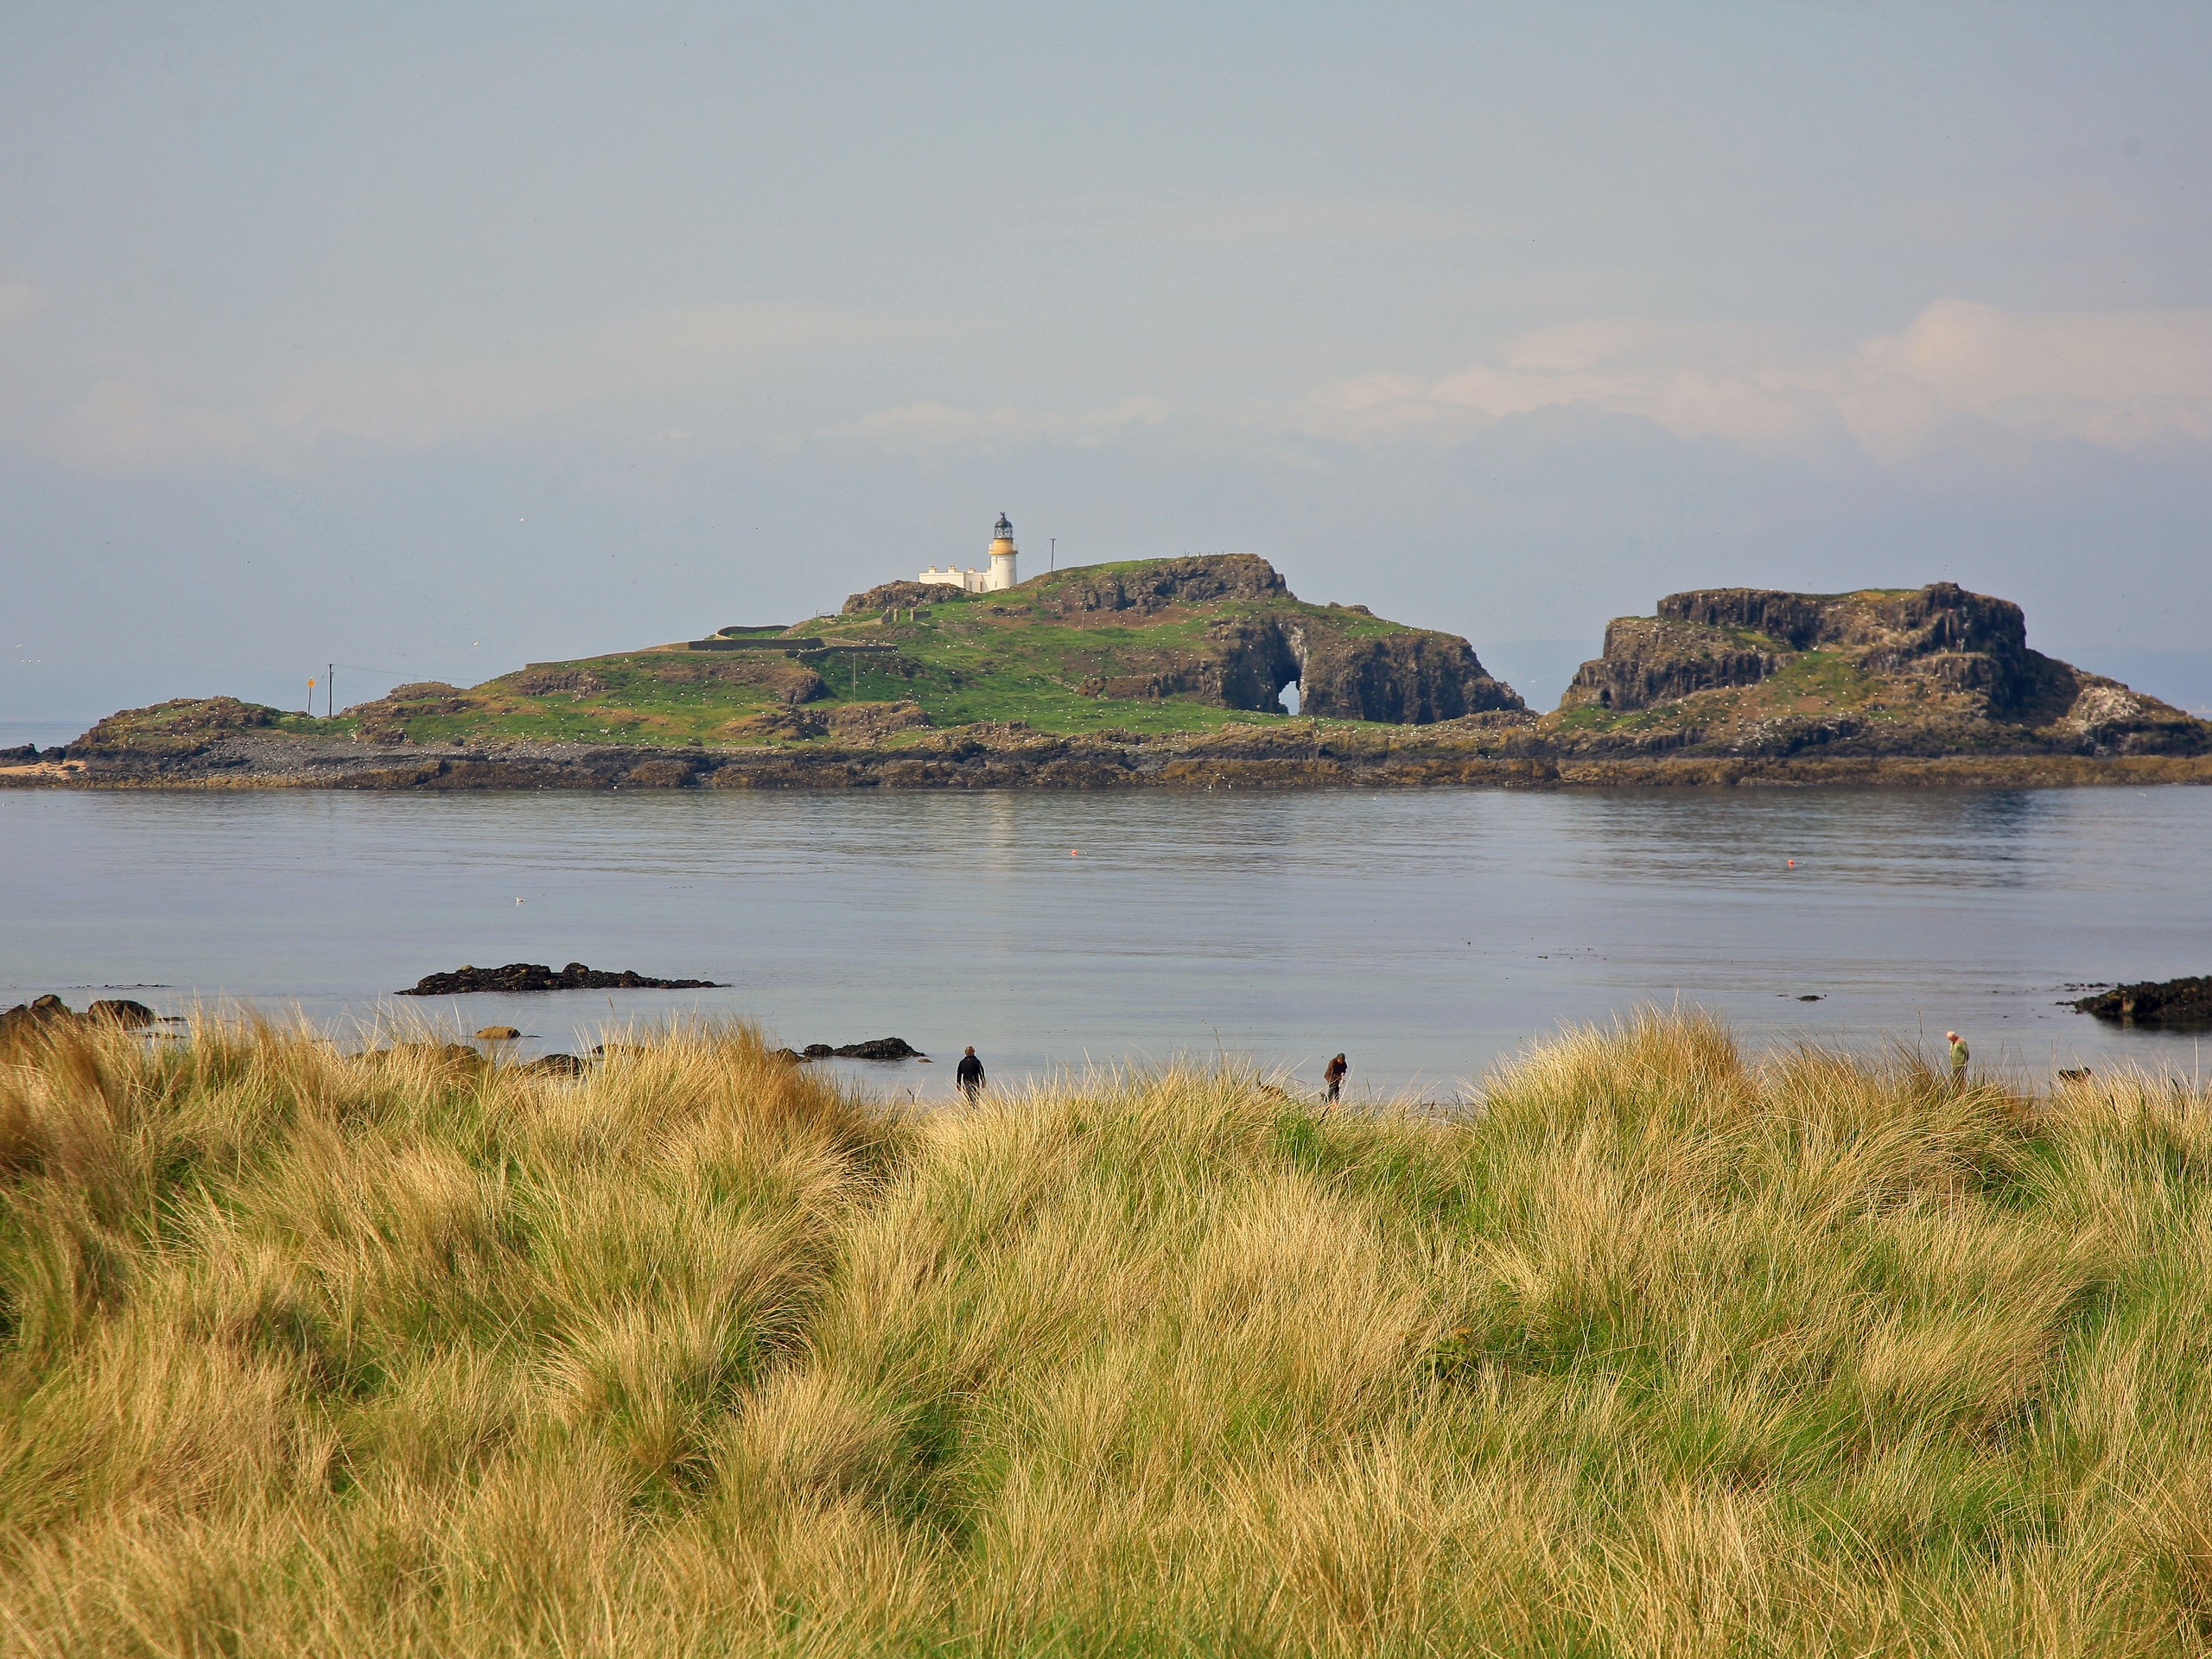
{"x":1659,"y":1352}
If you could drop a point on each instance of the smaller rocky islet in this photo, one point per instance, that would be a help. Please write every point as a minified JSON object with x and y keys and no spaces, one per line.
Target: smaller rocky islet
{"x":531,"y":976}
{"x":2168,"y":1004}
{"x":874,"y":1048}
{"x":1918,"y":672}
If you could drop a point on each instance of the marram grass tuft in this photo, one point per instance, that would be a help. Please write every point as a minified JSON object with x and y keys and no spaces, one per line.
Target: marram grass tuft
{"x":1664,"y":1353}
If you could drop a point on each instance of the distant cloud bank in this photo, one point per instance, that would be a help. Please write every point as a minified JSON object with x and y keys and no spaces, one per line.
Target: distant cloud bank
{"x":1961,"y":377}
{"x":1961,"y":373}
{"x":170,"y":417}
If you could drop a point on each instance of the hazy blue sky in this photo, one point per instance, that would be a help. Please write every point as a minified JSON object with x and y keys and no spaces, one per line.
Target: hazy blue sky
{"x":430,"y":339}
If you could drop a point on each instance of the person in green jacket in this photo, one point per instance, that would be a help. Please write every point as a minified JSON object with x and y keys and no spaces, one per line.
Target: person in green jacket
{"x":1958,"y":1060}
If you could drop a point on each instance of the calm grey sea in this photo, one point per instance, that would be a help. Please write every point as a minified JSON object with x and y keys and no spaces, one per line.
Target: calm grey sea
{"x":1426,"y":934}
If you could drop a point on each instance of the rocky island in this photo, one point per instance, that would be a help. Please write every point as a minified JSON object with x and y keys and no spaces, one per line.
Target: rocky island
{"x":1171,"y":673}
{"x":1922,"y":673}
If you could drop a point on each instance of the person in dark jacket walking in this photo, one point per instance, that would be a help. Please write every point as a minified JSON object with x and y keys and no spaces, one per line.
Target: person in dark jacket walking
{"x":1334,"y":1076}
{"x":968,"y":1078}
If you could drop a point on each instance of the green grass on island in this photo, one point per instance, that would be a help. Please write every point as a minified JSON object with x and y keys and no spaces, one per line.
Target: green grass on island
{"x":1664,"y":1351}
{"x":1814,"y":684}
{"x":960,"y":660}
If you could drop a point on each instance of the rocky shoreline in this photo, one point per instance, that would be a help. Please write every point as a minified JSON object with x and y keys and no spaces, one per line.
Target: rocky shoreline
{"x":1275,"y":756}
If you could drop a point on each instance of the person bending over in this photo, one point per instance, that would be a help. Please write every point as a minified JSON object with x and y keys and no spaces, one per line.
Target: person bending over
{"x":1334,"y":1076}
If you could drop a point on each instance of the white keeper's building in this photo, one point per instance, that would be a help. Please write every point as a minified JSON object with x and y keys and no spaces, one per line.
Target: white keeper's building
{"x":1000,"y":574}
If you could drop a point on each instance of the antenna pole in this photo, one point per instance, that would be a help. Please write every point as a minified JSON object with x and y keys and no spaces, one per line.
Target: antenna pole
{"x":329,"y":690}
{"x":1052,"y":554}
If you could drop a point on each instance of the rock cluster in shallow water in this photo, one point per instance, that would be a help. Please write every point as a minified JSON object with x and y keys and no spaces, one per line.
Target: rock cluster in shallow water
{"x":875,"y":1048}
{"x":50,"y":1013}
{"x":537,"y":976}
{"x":2175,"y":1004}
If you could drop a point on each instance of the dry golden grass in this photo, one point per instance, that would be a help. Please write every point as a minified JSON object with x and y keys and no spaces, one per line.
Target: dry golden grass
{"x":1663,"y":1354}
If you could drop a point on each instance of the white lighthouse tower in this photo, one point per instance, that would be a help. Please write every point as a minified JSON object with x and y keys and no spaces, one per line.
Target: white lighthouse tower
{"x":1002,"y":554}
{"x":1000,"y":576}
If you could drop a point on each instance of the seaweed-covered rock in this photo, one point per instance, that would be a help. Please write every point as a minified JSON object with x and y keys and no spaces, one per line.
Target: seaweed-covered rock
{"x":2170,"y":1004}
{"x":535,"y":976}
{"x":875,"y":1048}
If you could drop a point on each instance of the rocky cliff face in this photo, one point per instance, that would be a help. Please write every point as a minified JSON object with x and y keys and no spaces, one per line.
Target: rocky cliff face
{"x":1407,"y":679}
{"x":1651,"y":660}
{"x":1404,"y":679}
{"x":1750,"y":671}
{"x":1345,"y":665}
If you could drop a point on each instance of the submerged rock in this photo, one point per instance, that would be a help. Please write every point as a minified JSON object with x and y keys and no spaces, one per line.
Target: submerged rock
{"x":556,"y":1065}
{"x":537,"y":976}
{"x":2170,"y":1004}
